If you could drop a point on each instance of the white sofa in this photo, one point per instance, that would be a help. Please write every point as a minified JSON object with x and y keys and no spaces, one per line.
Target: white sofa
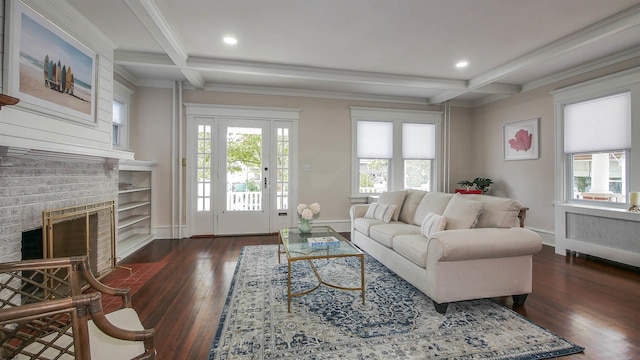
{"x":481,"y":253}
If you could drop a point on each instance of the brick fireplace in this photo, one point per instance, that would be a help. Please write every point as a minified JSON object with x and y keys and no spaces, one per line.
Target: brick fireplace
{"x":32,"y":183}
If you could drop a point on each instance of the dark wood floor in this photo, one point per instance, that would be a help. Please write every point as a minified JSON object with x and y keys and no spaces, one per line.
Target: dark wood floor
{"x":592,"y":304}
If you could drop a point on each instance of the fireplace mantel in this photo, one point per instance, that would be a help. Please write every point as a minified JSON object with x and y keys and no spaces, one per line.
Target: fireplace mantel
{"x":98,"y":156}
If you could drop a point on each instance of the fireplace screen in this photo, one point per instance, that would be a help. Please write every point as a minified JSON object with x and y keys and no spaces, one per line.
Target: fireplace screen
{"x":82,"y":230}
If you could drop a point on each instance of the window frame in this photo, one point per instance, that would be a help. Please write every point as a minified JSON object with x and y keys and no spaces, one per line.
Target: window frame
{"x":624,"y":81}
{"x":396,"y":163}
{"x":122,"y":94}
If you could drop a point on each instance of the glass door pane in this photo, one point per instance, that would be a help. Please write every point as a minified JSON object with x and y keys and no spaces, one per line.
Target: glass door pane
{"x":244,"y":169}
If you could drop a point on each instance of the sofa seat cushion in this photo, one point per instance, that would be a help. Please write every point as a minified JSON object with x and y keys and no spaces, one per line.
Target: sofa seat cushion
{"x":384,"y":233}
{"x":413,"y":247}
{"x":363,"y":224}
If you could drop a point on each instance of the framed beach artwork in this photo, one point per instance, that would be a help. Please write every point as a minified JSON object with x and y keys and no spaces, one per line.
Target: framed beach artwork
{"x":47,"y":69}
{"x":520,"y":140}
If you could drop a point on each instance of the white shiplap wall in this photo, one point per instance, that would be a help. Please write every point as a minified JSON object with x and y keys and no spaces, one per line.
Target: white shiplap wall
{"x":28,"y":129}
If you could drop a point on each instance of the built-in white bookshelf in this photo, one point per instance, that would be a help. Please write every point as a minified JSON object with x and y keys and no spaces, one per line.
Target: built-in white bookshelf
{"x":135,"y":223}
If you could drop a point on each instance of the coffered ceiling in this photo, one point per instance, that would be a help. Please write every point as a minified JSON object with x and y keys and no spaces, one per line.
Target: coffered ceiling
{"x":403,"y":50}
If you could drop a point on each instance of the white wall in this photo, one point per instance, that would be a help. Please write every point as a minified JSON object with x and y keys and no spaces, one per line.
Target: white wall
{"x":34,"y":128}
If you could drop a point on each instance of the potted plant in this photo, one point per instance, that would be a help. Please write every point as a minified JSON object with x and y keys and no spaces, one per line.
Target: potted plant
{"x":482,"y":184}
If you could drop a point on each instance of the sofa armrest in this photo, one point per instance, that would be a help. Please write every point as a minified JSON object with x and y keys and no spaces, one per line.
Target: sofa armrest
{"x":358,"y":211}
{"x":482,"y":243}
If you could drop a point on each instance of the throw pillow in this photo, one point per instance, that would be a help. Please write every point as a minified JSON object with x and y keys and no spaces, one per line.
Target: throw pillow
{"x":393,"y":198}
{"x":432,"y":224}
{"x":462,"y":213}
{"x":382,"y":212}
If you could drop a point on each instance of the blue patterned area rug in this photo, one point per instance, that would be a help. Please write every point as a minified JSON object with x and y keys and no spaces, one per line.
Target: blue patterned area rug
{"x":397,"y":321}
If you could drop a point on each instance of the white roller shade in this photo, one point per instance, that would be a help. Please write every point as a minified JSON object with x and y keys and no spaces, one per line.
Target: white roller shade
{"x":418,"y":141}
{"x":375,"y":140}
{"x":602,"y":124}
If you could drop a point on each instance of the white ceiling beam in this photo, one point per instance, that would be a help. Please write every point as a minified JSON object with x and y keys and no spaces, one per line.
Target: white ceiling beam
{"x":585,"y":37}
{"x":151,"y":17}
{"x":126,"y":74}
{"x":321,"y":74}
{"x":140,"y":58}
{"x":447,"y":95}
{"x":497,"y":90}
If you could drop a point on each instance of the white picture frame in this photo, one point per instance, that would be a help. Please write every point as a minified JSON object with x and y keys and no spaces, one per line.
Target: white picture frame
{"x":66,"y":89}
{"x":520,"y":140}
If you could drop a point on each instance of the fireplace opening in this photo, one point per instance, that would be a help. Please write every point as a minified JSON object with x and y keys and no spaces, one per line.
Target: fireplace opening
{"x":71,"y":237}
{"x":31,"y":246}
{"x":81,"y":230}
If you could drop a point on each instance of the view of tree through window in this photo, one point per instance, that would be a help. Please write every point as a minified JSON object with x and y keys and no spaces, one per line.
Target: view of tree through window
{"x":374,"y":175}
{"x":417,"y":174}
{"x":244,"y":156}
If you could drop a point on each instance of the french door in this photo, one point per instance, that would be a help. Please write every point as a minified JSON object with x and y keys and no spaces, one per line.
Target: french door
{"x":241,"y":181}
{"x":244,"y":180}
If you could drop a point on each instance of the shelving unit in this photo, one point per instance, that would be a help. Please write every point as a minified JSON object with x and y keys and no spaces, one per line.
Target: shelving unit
{"x":135,"y":225}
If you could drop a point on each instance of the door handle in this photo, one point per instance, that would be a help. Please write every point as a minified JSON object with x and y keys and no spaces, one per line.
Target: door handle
{"x":265,"y":182}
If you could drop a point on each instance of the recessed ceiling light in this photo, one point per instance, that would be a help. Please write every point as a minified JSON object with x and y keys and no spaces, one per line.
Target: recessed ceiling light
{"x":230,"y":40}
{"x":462,"y":64}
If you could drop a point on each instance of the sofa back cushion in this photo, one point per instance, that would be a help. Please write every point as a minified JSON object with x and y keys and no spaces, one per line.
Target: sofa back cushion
{"x":393,"y":198}
{"x":498,"y":211}
{"x":411,"y":202}
{"x":462,"y":213}
{"x":434,"y":202}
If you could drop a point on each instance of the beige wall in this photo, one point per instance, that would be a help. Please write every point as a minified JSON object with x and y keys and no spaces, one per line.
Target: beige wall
{"x":530,"y":182}
{"x":325,"y":135}
{"x":461,"y":147}
{"x":324,"y":143}
{"x":150,"y":140}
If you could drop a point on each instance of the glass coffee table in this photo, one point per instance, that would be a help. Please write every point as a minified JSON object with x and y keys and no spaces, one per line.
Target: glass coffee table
{"x":295,"y":245}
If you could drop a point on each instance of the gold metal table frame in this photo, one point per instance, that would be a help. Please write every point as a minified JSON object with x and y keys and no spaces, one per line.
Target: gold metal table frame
{"x":294,"y":244}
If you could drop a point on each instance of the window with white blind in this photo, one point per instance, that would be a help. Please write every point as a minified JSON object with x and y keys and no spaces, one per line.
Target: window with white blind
{"x":597,"y":158}
{"x":120,"y":116}
{"x":418,"y":153}
{"x":374,"y":154}
{"x":119,"y":121}
{"x":597,"y":142}
{"x":393,"y":149}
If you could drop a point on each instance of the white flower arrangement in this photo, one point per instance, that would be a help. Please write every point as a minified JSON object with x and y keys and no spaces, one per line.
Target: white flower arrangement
{"x":308,"y":212}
